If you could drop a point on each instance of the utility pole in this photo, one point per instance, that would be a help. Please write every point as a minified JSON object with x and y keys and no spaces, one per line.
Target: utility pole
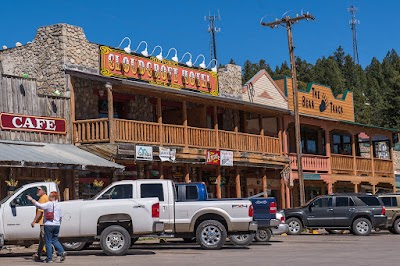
{"x":212,"y":30}
{"x":287,"y":22}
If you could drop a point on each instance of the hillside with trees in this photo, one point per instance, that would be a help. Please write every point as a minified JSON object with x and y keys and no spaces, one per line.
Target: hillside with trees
{"x":376,"y":87}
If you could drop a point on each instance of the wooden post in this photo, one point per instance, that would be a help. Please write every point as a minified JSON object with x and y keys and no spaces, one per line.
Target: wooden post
{"x":264,"y":184}
{"x":73,"y":114}
{"x":260,"y":125}
{"x":330,"y":188}
{"x":288,"y":197}
{"x":392,"y":159}
{"x":187,"y":173}
{"x":159,"y":120}
{"x":185,"y":124}
{"x":328,"y":149}
{"x":371,"y":152}
{"x":373,"y":189}
{"x":238,"y":188}
{"x":110,"y":100}
{"x":280,"y":126}
{"x":283,"y":201}
{"x":218,"y":185}
{"x":161,"y":170}
{"x":353,"y":151}
{"x":236,"y":129}
{"x":216,"y":127}
{"x":285,"y":137}
{"x":355,"y":187}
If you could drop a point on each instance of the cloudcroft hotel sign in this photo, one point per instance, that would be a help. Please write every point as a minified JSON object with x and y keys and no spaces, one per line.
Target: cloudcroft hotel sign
{"x":117,"y":63}
{"x":40,"y":124}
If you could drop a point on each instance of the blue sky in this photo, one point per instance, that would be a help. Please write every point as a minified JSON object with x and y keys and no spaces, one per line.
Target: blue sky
{"x":180,"y":24}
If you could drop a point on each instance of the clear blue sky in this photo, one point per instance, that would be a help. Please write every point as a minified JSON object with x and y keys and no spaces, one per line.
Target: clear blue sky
{"x":181,"y":24}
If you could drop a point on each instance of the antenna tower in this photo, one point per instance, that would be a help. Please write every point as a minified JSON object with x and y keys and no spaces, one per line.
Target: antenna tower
{"x":212,"y":30}
{"x":353,"y":23}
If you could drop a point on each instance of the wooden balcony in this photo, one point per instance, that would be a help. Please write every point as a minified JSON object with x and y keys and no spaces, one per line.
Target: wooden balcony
{"x":311,"y":163}
{"x":130,"y":131}
{"x":345,"y":164}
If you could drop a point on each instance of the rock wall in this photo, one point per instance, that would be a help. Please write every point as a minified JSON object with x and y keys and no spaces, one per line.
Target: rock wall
{"x":396,"y":161}
{"x":141,"y":109}
{"x":230,"y":81}
{"x":45,"y":58}
{"x":86,"y":98}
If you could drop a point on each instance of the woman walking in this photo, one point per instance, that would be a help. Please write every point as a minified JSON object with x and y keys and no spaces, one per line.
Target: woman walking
{"x":52,"y":222}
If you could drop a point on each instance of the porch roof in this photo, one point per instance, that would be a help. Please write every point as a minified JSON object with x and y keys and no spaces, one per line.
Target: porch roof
{"x":53,"y":156}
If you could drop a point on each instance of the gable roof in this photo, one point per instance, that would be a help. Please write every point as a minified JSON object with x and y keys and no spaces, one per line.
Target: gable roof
{"x":256,"y":77}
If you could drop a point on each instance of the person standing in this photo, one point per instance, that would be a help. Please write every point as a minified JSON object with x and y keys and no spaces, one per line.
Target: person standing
{"x":52,"y":223}
{"x":41,"y":193}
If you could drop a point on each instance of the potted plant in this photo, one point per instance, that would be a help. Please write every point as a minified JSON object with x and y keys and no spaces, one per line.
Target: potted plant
{"x":98,"y":185}
{"x":53,"y":180}
{"x":12,"y":184}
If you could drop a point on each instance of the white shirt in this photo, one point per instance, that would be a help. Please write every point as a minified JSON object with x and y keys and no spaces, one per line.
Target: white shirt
{"x":48,"y":207}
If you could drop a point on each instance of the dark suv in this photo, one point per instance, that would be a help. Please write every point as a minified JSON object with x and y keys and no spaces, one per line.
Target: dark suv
{"x":359,"y":213}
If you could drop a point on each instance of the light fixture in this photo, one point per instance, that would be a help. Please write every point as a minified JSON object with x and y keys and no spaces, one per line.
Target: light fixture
{"x":159,"y":56}
{"x":4,"y":47}
{"x":188,"y":63}
{"x":214,"y":69}
{"x":18,"y":44}
{"x":144,"y":52}
{"x":175,"y":57}
{"x":127,"y":48}
{"x":203,"y":64}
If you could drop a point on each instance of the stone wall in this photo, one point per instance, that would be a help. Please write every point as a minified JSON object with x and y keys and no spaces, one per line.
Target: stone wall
{"x":86,"y":98}
{"x":45,"y":58}
{"x":141,"y":109}
{"x":396,"y":161}
{"x":230,"y":81}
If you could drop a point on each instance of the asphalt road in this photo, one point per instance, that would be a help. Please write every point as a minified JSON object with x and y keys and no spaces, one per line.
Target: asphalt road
{"x":377,"y":249}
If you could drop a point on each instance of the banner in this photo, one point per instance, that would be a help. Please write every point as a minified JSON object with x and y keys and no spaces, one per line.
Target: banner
{"x":144,"y":153}
{"x":39,"y":124}
{"x":167,"y":154}
{"x":226,"y":158}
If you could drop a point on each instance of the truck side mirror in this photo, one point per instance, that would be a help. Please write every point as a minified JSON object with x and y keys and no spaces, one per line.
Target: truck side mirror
{"x":15,"y":202}
{"x":106,"y":196}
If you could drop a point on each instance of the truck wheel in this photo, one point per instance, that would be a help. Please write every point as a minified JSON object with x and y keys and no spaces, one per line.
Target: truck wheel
{"x":211,"y":234}
{"x":396,"y":226}
{"x":295,"y":226}
{"x":74,"y":246}
{"x":362,"y":227}
{"x":241,"y":240}
{"x":115,"y":240}
{"x":263,"y":235}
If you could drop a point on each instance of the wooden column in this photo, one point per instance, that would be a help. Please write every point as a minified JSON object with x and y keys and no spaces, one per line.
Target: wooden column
{"x":285,"y":137}
{"x":373,"y":188}
{"x":371,"y":152}
{"x":187,"y":173}
{"x":260,"y":125}
{"x":288,"y":197}
{"x":328,"y":149}
{"x":238,"y":188}
{"x":264,"y":183}
{"x":355,"y":187}
{"x":159,"y":121}
{"x":283,"y":200}
{"x":392,"y":159}
{"x":218,"y":185}
{"x":353,"y":152}
{"x":330,"y":188}
{"x":236,"y":129}
{"x":110,"y":100}
{"x":280,"y":127}
{"x":185,"y":124}
{"x":161,"y":170}
{"x":216,"y":127}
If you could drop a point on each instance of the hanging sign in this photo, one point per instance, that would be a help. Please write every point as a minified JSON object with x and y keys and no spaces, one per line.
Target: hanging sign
{"x":167,"y":154}
{"x":118,"y":63}
{"x":39,"y":124}
{"x":144,"y":153}
{"x":226,"y":158}
{"x":213,"y":157}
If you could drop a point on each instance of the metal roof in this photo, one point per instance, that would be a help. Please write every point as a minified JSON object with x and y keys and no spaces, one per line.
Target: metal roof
{"x":49,"y":155}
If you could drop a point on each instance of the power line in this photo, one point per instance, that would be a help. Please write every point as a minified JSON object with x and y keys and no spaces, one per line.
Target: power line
{"x":287,"y":22}
{"x":212,"y":30}
{"x":353,"y":25}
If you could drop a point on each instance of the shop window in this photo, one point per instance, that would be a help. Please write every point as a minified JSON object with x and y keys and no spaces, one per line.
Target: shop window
{"x":341,"y":144}
{"x":152,"y":191}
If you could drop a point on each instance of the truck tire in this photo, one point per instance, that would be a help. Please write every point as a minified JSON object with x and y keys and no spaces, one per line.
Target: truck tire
{"x":362,"y":227}
{"x":115,"y":240}
{"x":211,"y":234}
{"x":241,"y":240}
{"x":396,"y":226}
{"x":74,"y":246}
{"x":295,"y":226}
{"x":263,"y":235}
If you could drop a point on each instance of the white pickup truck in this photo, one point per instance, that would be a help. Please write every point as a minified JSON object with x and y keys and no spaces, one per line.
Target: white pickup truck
{"x":209,"y":222}
{"x":113,"y":223}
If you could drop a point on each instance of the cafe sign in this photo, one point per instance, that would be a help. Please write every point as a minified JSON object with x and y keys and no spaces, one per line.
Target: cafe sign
{"x":118,"y":63}
{"x":40,"y":124}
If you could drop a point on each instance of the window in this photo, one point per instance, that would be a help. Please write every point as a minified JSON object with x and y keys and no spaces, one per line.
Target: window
{"x":23,"y":201}
{"x":152,"y":191}
{"x":118,"y":192}
{"x":389,"y":201}
{"x":323,"y":202}
{"x":191,"y":193}
{"x":342,"y":201}
{"x":341,"y":144}
{"x":309,"y":141}
{"x":370,"y":201}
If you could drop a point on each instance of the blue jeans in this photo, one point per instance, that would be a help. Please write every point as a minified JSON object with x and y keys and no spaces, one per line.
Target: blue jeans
{"x":51,"y":239}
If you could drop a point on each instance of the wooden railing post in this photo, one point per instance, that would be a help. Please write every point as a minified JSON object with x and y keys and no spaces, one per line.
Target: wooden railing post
{"x":371,"y":152}
{"x":187,"y":173}
{"x":159,"y":121}
{"x":260,"y":124}
{"x":185,"y":125}
{"x":353,"y":152}
{"x":216,"y":127}
{"x":110,"y":100}
{"x":236,"y":129}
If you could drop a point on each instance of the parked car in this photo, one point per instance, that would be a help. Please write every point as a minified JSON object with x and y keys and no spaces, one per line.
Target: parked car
{"x":264,"y":211}
{"x":392,"y":205}
{"x":283,"y":227}
{"x":209,"y":222}
{"x":359,"y":213}
{"x":83,"y":220}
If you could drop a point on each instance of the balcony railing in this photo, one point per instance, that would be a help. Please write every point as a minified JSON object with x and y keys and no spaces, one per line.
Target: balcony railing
{"x":313,"y":163}
{"x":98,"y":130}
{"x":345,"y":164}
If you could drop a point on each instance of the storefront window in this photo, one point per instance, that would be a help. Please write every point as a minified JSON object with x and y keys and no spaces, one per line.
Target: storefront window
{"x":309,"y":141}
{"x":341,"y":144}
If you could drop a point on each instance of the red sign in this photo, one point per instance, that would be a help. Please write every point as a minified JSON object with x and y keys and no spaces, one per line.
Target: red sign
{"x":32,"y":123}
{"x":213,"y":157}
{"x":117,"y":63}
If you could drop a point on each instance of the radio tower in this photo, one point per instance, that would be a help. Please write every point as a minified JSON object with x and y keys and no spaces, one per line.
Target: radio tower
{"x":353,"y":23}
{"x":212,"y":30}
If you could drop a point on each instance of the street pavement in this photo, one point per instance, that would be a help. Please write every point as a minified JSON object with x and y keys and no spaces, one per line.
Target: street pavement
{"x":377,"y":249}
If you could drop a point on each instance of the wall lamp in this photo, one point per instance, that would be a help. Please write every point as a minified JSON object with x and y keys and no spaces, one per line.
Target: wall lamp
{"x":175,"y":57}
{"x":214,"y":69}
{"x":203,"y":64}
{"x":127,"y":48}
{"x":159,"y":56}
{"x":188,"y":63}
{"x":144,"y":52}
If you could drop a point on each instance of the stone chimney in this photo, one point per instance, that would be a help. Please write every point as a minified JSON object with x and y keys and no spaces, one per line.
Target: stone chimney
{"x":230,"y":81}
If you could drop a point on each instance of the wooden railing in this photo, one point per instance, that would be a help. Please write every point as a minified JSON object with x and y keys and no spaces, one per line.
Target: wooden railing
{"x":342,"y":164}
{"x":201,"y":137}
{"x":364,"y":166}
{"x":90,"y":131}
{"x":311,"y":162}
{"x":250,"y":143}
{"x":134,"y":131}
{"x":173,"y":135}
{"x":227,"y":140}
{"x":272,"y":145}
{"x":383,"y":167}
